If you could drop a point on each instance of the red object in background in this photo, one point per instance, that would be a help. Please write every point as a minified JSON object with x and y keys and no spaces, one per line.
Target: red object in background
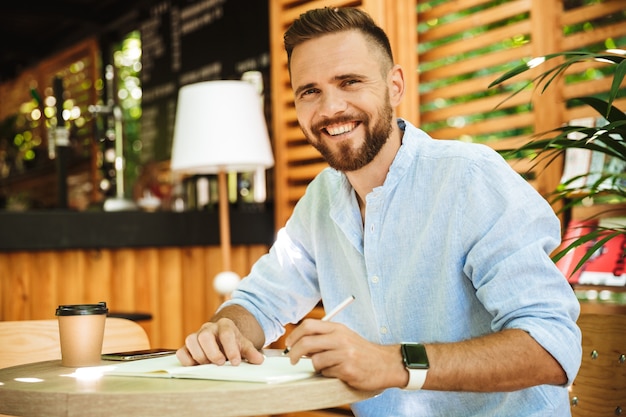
{"x":575,"y":229}
{"x":605,"y":267}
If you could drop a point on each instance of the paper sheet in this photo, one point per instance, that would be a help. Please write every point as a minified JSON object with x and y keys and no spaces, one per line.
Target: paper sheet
{"x":274,"y":369}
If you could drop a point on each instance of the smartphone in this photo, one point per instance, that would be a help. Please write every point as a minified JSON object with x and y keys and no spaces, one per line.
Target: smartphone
{"x":137,"y":354}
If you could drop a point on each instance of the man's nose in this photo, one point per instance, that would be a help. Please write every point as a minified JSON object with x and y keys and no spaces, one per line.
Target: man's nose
{"x":332,"y":103}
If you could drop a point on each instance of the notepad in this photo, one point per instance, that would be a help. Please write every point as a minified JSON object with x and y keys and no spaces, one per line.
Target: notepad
{"x":273,"y":370}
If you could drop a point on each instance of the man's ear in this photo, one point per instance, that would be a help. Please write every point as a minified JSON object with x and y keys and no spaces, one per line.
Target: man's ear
{"x":396,"y":85}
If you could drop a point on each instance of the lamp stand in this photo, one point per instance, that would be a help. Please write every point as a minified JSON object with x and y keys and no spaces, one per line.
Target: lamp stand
{"x":225,"y":282}
{"x":224,"y":215}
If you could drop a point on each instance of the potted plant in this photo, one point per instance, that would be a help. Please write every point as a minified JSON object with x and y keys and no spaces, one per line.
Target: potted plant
{"x":609,"y":140}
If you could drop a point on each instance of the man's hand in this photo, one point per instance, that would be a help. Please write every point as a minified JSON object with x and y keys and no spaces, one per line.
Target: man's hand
{"x":338,"y":352}
{"x":218,"y":341}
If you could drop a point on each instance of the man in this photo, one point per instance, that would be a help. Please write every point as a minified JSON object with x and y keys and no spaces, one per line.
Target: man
{"x":440,"y":242}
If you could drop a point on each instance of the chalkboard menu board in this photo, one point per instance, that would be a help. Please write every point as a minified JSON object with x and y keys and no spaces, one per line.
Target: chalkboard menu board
{"x":189,"y":41}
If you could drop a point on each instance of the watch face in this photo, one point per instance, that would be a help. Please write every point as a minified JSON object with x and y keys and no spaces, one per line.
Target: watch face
{"x":415,"y":356}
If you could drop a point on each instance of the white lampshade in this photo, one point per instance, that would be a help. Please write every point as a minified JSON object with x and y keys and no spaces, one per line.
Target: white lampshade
{"x":220,"y":125}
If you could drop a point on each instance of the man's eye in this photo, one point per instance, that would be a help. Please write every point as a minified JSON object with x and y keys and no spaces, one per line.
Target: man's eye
{"x":309,"y":92}
{"x":351,"y":82}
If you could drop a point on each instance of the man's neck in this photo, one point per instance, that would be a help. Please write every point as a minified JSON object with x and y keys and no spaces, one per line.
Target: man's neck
{"x":374,"y":174}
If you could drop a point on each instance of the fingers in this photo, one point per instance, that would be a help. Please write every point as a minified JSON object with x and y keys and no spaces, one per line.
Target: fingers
{"x":252,"y":354}
{"x":209,"y":343}
{"x":217,"y":343}
{"x":184,"y":357}
{"x":310,"y":338}
{"x":201,"y":347}
{"x":338,"y":352}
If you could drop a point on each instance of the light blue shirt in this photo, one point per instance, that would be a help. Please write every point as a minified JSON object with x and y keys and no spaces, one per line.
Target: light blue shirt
{"x":455,"y":245}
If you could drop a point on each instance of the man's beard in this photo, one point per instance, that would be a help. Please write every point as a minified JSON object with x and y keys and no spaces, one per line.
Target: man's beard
{"x":346,"y":158}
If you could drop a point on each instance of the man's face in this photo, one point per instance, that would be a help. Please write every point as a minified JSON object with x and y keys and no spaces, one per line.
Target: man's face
{"x":342,"y":98}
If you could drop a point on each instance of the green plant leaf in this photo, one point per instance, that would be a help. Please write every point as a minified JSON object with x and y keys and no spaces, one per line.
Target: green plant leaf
{"x":591,"y":236}
{"x":572,"y":57}
{"x":606,"y":234}
{"x":609,"y":140}
{"x":604,"y":108}
{"x":618,"y":77}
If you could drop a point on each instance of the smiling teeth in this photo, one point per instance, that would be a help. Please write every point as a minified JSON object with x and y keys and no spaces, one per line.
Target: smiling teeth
{"x":339,"y":129}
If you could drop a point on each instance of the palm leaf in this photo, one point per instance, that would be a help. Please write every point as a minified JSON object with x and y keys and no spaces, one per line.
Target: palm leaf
{"x":546,"y":147}
{"x":605,"y":234}
{"x":617,"y":57}
{"x":604,"y":108}
{"x":618,"y":77}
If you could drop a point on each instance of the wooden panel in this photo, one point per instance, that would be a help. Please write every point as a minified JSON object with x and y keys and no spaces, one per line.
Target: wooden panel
{"x":464,"y":87}
{"x":536,"y":19}
{"x":495,"y":124}
{"x":467,"y":28}
{"x":482,"y":105}
{"x":398,"y":19}
{"x":172,"y":284}
{"x":600,"y":386}
{"x":303,"y":153}
{"x":122,"y":279}
{"x":476,"y":64}
{"x":582,"y":39}
{"x":591,"y":12}
{"x":485,"y":17}
{"x":147,"y":290}
{"x":478,"y":41}
{"x":449,"y":7}
{"x":192,"y":265}
{"x":170,"y":303}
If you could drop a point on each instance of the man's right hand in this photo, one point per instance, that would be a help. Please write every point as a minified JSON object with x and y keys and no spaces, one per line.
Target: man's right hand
{"x":216,"y":342}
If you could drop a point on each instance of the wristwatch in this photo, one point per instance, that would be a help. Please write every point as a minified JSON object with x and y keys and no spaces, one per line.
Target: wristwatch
{"x":416,"y":362}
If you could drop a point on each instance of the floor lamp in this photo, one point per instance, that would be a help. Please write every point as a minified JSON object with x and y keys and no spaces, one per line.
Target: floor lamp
{"x":220,"y":128}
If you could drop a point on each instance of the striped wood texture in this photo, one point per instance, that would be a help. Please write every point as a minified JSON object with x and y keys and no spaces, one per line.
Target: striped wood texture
{"x":172,"y":284}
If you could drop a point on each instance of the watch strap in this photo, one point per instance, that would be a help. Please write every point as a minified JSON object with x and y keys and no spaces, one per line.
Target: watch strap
{"x":417,"y":377}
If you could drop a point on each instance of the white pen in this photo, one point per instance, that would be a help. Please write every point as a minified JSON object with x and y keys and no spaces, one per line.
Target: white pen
{"x":330,"y":315}
{"x":337,"y":309}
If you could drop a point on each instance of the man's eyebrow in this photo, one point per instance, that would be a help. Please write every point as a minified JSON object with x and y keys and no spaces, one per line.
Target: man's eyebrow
{"x":303,"y":87}
{"x":340,"y":77}
{"x":349,"y":76}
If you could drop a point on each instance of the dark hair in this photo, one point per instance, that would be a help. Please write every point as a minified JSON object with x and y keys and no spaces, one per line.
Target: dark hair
{"x":327,"y":20}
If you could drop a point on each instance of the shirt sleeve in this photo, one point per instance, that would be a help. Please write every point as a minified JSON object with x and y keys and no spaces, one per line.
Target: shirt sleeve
{"x":287,"y":274}
{"x":514,"y":232}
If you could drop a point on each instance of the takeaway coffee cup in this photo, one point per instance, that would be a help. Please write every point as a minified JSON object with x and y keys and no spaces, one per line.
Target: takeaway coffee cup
{"x":81,"y":330}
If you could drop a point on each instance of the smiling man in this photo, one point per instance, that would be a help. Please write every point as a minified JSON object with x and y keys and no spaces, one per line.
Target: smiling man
{"x":459,"y":309}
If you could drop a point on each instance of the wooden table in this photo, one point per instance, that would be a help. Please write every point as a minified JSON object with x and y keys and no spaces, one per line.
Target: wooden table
{"x":49,"y":389}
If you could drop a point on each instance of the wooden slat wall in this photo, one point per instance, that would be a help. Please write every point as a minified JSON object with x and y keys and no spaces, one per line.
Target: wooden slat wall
{"x":472,"y":120}
{"x":172,"y":284}
{"x":536,"y":25}
{"x":582,"y":39}
{"x":436,"y":76}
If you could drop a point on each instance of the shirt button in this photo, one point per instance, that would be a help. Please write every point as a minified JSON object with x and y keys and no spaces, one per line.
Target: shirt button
{"x":375,"y":279}
{"x":383,"y":330}
{"x":372,"y":228}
